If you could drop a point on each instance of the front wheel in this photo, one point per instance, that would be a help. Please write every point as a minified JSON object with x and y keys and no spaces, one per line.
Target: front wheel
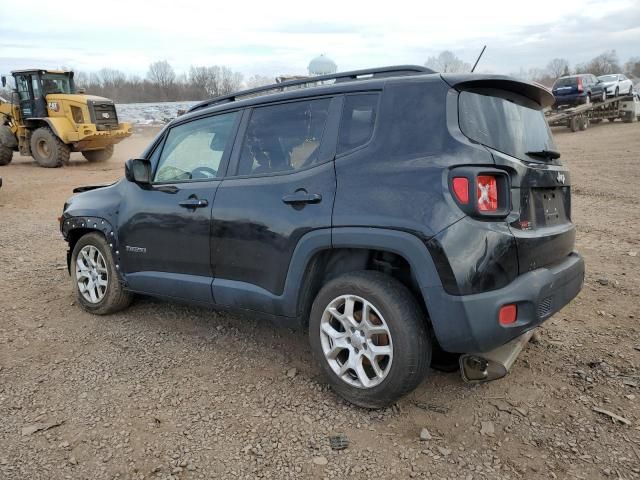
{"x":95,"y":277}
{"x":47,"y":149}
{"x":99,"y":155}
{"x":369,"y":335}
{"x":617,"y":92}
{"x":6,"y":155}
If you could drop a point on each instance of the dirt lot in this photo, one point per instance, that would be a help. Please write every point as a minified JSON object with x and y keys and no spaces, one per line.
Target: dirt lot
{"x":167,"y":390}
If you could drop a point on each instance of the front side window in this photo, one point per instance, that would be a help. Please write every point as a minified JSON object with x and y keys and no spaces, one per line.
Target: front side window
{"x":56,"y":83}
{"x":358,"y":120}
{"x":194,"y":150}
{"x":283,"y":137}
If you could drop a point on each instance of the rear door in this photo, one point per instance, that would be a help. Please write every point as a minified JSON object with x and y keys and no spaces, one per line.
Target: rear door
{"x":280,"y":186}
{"x":514,"y":129}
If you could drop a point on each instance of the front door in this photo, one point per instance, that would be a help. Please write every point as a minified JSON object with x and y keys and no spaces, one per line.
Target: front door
{"x":165,"y":230}
{"x":280,"y":186}
{"x":25,"y":94}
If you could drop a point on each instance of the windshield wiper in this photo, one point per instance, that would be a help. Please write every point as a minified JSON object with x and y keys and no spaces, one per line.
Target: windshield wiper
{"x":547,"y":154}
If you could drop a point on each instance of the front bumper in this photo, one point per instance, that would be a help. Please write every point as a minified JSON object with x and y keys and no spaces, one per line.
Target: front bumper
{"x":88,"y":137}
{"x":469,"y":323}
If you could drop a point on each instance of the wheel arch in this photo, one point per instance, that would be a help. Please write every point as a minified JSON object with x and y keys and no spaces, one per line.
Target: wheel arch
{"x":60,"y":126}
{"x":400,"y":254}
{"x":74,"y":228}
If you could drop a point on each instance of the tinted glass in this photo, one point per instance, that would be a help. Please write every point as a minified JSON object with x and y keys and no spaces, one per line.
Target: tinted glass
{"x":23,"y":87}
{"x":566,"y":82}
{"x":505,"y":121}
{"x":56,"y":83}
{"x":283,"y":137}
{"x":193,"y":151}
{"x":608,"y":78}
{"x":358,"y":120}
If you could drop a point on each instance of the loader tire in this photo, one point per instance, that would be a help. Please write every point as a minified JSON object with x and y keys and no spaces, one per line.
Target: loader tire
{"x":6,"y":155}
{"x":99,"y":155}
{"x":47,"y":149}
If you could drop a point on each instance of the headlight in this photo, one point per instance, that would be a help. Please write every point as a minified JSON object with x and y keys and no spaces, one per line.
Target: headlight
{"x":76,"y":113}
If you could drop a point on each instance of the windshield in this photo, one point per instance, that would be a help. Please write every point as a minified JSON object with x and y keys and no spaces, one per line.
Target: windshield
{"x":608,"y":78}
{"x":56,"y":83}
{"x":565,"y":82}
{"x":504,"y":121}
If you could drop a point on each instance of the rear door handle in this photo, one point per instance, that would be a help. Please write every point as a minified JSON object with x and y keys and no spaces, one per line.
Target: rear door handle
{"x":194,"y":203}
{"x":302,"y":197}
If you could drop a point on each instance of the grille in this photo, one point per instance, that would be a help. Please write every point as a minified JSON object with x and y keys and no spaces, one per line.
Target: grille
{"x":544,"y":307}
{"x":103,"y":114}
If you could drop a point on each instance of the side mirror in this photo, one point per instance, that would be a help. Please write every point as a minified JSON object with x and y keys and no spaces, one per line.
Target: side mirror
{"x":4,"y":81}
{"x":138,"y":170}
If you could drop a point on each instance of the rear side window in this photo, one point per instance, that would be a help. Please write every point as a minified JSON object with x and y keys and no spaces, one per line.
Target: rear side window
{"x":284,"y":137}
{"x":504,"y":121}
{"x":358,"y":120}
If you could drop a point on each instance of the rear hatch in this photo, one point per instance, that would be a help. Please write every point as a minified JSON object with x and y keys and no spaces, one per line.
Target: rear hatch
{"x":510,"y":123}
{"x":565,"y":86}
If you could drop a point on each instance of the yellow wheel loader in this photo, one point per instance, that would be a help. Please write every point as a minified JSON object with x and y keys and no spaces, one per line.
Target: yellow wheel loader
{"x":47,"y":119}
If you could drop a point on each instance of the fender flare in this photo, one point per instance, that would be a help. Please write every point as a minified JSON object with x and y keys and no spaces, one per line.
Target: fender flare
{"x":98,"y":224}
{"x":59,"y":125}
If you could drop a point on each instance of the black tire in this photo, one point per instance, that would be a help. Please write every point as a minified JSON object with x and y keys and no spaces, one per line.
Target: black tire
{"x":611,"y":119}
{"x":6,"y":155}
{"x":99,"y":155}
{"x":583,"y":122}
{"x":573,"y":124}
{"x":604,"y":96}
{"x":411,"y":343}
{"x":115,"y":297}
{"x":47,"y":149}
{"x":617,"y":92}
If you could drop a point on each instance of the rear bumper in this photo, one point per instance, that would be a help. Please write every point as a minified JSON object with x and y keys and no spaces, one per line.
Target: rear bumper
{"x":469,"y":323}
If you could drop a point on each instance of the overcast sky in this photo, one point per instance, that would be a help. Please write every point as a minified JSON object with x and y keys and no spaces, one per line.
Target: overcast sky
{"x":281,"y":37}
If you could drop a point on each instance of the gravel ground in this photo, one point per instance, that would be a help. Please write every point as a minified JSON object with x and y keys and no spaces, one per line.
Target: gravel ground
{"x":170,"y":391}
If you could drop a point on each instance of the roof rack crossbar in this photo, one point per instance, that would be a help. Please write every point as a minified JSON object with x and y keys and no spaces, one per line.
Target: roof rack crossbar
{"x":399,"y":70}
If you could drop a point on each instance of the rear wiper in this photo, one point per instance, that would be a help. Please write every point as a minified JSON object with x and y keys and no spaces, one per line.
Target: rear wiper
{"x":547,"y":154}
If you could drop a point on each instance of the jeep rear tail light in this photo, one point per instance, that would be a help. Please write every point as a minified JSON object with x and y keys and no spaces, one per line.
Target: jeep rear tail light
{"x":580,"y":89}
{"x":487,"y":193}
{"x":461,"y":189}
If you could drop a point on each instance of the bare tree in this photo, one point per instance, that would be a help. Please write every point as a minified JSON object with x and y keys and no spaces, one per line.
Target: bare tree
{"x":603,"y":64}
{"x":558,"y":67}
{"x":447,"y":62}
{"x":632,"y":67}
{"x":258,"y":81}
{"x":161,"y":73}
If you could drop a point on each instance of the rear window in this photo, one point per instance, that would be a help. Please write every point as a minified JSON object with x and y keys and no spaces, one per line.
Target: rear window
{"x":504,"y":121}
{"x":565,"y":82}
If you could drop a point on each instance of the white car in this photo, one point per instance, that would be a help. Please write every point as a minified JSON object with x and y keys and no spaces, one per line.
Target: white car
{"x":616,"y":84}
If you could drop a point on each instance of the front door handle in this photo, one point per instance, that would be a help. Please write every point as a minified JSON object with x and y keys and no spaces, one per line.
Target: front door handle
{"x":194,"y":203}
{"x":302,"y":197}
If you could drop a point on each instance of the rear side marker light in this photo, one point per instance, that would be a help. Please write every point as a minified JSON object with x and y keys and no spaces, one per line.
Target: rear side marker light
{"x":487,"y":193}
{"x":461,"y":189}
{"x":508,"y":314}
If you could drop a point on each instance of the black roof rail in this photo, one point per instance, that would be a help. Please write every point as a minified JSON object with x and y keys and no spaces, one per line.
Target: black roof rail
{"x":398,"y":70}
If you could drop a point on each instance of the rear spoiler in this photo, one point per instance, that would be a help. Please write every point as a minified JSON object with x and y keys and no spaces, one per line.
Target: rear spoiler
{"x":534,"y":91}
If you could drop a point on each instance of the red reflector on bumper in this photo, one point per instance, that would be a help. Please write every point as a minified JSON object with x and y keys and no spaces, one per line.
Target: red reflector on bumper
{"x":461,"y":189}
{"x":508,"y":314}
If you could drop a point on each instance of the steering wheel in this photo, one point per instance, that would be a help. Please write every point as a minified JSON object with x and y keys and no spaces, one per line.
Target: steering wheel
{"x":204,"y":172}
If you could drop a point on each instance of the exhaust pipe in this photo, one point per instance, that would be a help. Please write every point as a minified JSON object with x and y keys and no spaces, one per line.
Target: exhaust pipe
{"x":487,"y":366}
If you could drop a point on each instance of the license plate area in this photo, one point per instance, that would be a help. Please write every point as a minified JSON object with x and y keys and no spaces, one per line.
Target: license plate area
{"x":549,"y":206}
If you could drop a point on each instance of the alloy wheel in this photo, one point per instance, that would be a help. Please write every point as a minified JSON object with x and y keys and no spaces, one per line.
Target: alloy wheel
{"x":91,"y":274}
{"x":356,"y":341}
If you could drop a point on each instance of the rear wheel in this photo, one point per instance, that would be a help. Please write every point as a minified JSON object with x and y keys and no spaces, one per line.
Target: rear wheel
{"x":6,"y":155}
{"x":573,"y":124}
{"x":368,"y":334}
{"x":99,"y":155}
{"x":47,"y":149}
{"x":95,"y":277}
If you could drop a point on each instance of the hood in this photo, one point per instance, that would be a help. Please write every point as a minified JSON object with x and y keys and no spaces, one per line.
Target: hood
{"x":76,"y":97}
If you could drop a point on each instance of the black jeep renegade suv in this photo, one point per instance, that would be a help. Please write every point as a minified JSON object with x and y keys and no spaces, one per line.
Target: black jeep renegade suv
{"x":391,"y":211}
